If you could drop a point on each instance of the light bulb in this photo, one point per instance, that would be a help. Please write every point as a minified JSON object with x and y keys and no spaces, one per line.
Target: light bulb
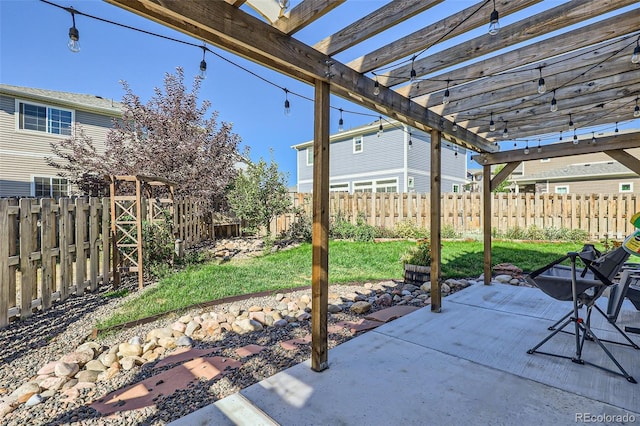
{"x":526,"y":150}
{"x":494,"y":25}
{"x":203,"y":69}
{"x":376,"y":88}
{"x":380,"y":128}
{"x":492,"y":126}
{"x":410,"y":142}
{"x":454,"y":126}
{"x":593,"y":139}
{"x":341,"y":125}
{"x":635,"y":58}
{"x":445,"y":98}
{"x":636,"y":111}
{"x":571,"y":125}
{"x":505,"y":133}
{"x":412,"y":76}
{"x":554,"y":105}
{"x":287,"y":108}
{"x":542,"y":87}
{"x":74,"y":39}
{"x":575,"y":139}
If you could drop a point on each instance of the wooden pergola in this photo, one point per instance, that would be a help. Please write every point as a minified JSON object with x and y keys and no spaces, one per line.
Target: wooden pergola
{"x":586,"y":64}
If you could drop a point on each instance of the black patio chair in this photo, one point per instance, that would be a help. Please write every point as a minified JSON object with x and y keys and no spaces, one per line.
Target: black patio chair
{"x":583,"y":286}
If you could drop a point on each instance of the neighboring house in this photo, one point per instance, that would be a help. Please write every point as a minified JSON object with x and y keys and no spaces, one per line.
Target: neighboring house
{"x":397,"y":160}
{"x":580,"y":174}
{"x":32,"y":118}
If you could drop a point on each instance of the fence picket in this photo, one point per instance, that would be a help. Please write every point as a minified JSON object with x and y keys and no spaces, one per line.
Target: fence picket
{"x":47,"y":244}
{"x":28,"y":233}
{"x":81,"y":254}
{"x":5,"y":292}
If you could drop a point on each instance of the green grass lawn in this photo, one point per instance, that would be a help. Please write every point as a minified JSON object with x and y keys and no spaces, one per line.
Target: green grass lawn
{"x":349,"y":262}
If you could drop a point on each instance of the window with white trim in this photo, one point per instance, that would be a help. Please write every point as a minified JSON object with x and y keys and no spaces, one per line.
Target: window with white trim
{"x":363,"y":186}
{"x":310,"y":156}
{"x":42,"y":118}
{"x":411,"y":182}
{"x":388,"y":185}
{"x":50,"y":187}
{"x":626,"y":187}
{"x":357,"y":144}
{"x":339,"y":187}
{"x":455,"y":188}
{"x":562,"y":189}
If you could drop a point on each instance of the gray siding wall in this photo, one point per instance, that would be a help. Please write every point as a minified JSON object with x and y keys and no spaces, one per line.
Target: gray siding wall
{"x":383,"y":158}
{"x":22,"y":154}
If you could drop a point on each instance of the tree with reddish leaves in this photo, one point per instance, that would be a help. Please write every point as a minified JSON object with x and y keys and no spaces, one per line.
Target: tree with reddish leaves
{"x":168,"y":137}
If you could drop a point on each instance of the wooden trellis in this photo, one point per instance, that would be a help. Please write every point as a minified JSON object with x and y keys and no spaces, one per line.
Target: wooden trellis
{"x":127,"y":213}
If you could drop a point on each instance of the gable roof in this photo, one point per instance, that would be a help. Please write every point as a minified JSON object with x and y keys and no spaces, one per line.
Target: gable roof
{"x":91,"y":103}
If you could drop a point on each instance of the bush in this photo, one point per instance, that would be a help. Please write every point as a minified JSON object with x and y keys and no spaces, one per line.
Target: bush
{"x":448,"y":231}
{"x":157,"y":247}
{"x":409,"y":229}
{"x":300,"y":229}
{"x":341,"y":228}
{"x":420,"y":254}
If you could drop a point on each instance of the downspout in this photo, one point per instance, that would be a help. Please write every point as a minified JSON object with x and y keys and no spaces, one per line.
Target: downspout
{"x":405,"y":166}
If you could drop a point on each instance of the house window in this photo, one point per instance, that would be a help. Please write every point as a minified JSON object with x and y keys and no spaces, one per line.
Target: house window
{"x":339,"y":187}
{"x":310,"y":156}
{"x":562,"y":189}
{"x":357,"y":144}
{"x":389,"y":185}
{"x":40,"y":118}
{"x":50,"y":187}
{"x":363,"y":186}
{"x":455,"y":188}
{"x":626,"y":187}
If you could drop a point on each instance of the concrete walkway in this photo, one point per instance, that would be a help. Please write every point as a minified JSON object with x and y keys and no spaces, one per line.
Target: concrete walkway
{"x":467,"y":365}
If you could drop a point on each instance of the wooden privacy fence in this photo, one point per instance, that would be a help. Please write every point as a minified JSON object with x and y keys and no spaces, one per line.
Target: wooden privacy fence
{"x":52,"y":249}
{"x":599,"y":214}
{"x":49,"y":251}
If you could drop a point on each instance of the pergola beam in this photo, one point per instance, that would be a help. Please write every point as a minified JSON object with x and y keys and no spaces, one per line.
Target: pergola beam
{"x":565,"y":149}
{"x":305,"y":13}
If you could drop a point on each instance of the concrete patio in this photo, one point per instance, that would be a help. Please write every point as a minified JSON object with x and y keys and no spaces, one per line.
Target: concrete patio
{"x":466,"y":365}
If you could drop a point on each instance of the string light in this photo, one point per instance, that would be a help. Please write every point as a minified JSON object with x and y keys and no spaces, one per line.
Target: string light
{"x":74,"y":34}
{"x":454,"y":126}
{"x":494,"y":25}
{"x":492,"y":124}
{"x":203,"y":63}
{"x":505,"y":132}
{"x":376,"y":87}
{"x":617,"y":128}
{"x":340,"y":122}
{"x":542,"y":87}
{"x":571,"y":126}
{"x":593,"y":138}
{"x":560,"y":134}
{"x":410,"y":141}
{"x":554,"y":103}
{"x":526,"y":149}
{"x":539,"y":147}
{"x":445,"y":98}
{"x":635,"y":58}
{"x":412,"y":74}
{"x":636,"y":110}
{"x":380,"y":127}
{"x":575,"y":138}
{"x":287,"y":105}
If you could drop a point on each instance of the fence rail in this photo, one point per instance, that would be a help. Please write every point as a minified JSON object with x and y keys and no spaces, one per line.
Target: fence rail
{"x":599,"y":214}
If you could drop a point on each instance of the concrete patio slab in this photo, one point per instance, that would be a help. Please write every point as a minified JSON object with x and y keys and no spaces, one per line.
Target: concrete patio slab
{"x":467,"y":365}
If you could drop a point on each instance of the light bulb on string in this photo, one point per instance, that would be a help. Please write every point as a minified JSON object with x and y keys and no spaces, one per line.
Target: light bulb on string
{"x":505,"y":132}
{"x":380,"y":127}
{"x":617,"y":131}
{"x":593,"y":138}
{"x":287,"y":105}
{"x":635,"y":58}
{"x":554,"y":103}
{"x":636,"y":110}
{"x":412,"y":74}
{"x":492,"y":124}
{"x":526,"y":149}
{"x":494,"y":24}
{"x":203,"y":63}
{"x":74,"y":34}
{"x":410,"y":143}
{"x":340,"y":122}
{"x":575,"y":138}
{"x":376,"y":87}
{"x":445,"y":98}
{"x":571,"y":125}
{"x":454,"y":126}
{"x":539,"y":147}
{"x":542,"y":87}
{"x":560,"y":134}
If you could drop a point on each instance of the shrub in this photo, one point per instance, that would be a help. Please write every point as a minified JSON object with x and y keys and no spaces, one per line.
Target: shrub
{"x":420,"y":254}
{"x":409,"y":229}
{"x":301,"y":228}
{"x":157,"y":246}
{"x":341,"y":228}
{"x":448,"y":231}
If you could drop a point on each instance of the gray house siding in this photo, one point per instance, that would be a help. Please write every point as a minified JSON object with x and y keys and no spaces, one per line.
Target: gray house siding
{"x":23,"y":153}
{"x":382,"y":159}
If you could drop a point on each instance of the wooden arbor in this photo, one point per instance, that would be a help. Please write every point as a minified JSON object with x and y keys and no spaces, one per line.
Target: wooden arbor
{"x":128,"y":212}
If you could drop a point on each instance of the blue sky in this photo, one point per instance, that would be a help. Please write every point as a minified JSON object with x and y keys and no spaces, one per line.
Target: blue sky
{"x":34,"y":53}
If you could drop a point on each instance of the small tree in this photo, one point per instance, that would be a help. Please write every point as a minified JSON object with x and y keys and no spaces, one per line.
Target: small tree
{"x":504,"y":185}
{"x":259,"y":194}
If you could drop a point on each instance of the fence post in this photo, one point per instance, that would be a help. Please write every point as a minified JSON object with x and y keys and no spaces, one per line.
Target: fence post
{"x":4,"y":263}
{"x":81,"y":254}
{"x":47,"y":242}
{"x":94,"y":251}
{"x":28,"y":230}
{"x":106,"y":240}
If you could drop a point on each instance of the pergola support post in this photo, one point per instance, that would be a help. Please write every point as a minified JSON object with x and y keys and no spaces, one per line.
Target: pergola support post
{"x":436,"y":237}
{"x":320,"y":236}
{"x":486,"y":221}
